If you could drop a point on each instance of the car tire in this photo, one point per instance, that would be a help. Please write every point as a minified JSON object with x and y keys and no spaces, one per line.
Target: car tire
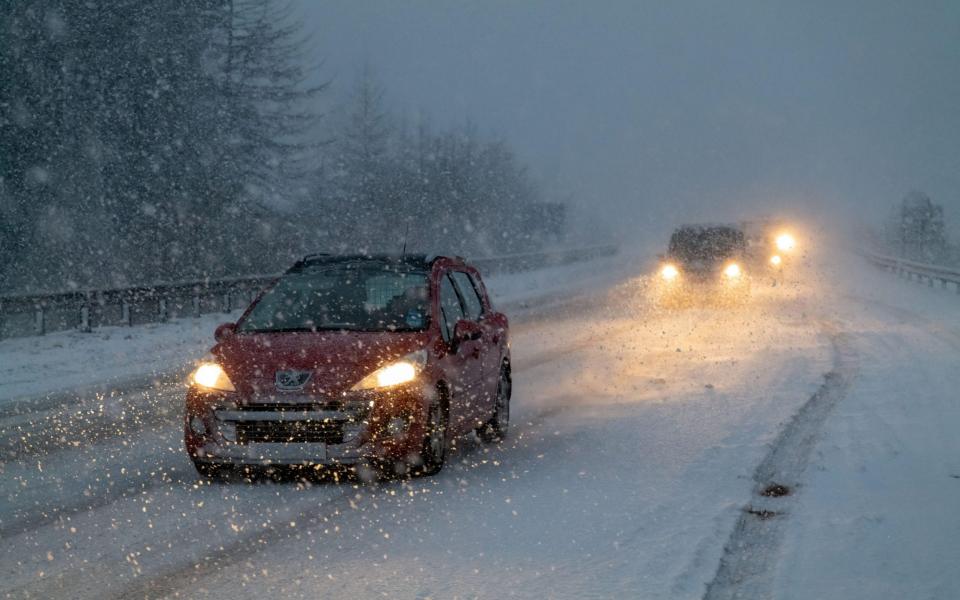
{"x":434,"y":450}
{"x":495,"y":430}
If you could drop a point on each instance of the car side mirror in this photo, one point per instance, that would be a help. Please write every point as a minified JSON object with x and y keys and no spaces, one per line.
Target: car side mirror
{"x":465,"y":330}
{"x":224,"y":332}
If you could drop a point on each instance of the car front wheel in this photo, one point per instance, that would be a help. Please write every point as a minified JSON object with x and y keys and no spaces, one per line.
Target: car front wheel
{"x":434,"y":450}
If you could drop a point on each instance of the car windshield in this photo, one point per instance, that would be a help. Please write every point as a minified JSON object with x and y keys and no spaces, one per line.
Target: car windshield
{"x":364,"y":296}
{"x":706,"y":243}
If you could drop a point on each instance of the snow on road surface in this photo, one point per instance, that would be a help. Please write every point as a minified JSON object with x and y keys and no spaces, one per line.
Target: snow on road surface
{"x":634,"y":450}
{"x":879,"y":513}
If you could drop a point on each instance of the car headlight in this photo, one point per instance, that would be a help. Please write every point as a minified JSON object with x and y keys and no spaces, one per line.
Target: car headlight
{"x":669,"y":272}
{"x":775,"y":260}
{"x":732,"y":270}
{"x":785,"y":242}
{"x":404,"y":370}
{"x":212,"y":376}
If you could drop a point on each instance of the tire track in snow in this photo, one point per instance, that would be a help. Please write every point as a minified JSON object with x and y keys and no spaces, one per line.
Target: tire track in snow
{"x":746,"y":567}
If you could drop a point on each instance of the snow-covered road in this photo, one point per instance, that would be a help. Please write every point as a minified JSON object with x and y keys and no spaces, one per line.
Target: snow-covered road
{"x":878,"y":515}
{"x":636,"y":441}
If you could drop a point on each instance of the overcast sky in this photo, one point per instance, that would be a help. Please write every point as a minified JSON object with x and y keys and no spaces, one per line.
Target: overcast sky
{"x":681,"y":110}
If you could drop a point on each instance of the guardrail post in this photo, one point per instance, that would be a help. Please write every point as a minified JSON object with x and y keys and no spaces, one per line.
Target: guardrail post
{"x":225,"y":303}
{"x":40,"y":321}
{"x":162,"y":313}
{"x":125,"y":314}
{"x":196,"y":305}
{"x":85,"y":317}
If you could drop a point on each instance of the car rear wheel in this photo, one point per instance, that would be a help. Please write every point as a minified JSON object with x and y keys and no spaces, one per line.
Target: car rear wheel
{"x":496,"y":428}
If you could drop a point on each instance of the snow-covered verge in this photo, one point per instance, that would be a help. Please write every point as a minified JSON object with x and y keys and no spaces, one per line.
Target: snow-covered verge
{"x":43,"y":371}
{"x":46,"y":371}
{"x":877,"y":516}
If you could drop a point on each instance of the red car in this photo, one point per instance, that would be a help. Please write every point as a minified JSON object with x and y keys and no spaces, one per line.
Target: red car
{"x":373,"y":361}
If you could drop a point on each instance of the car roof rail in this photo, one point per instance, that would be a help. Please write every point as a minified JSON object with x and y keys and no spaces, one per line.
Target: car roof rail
{"x":430,"y":258}
{"x":306,"y":259}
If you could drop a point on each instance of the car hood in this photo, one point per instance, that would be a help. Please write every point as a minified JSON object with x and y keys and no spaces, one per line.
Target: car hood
{"x":335,"y":361}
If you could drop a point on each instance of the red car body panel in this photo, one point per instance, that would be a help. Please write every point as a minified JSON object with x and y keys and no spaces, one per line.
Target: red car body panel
{"x":468,"y":373}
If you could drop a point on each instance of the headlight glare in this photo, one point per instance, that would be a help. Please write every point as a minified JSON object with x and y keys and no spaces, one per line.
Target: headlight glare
{"x":775,"y":260}
{"x":732,"y":270}
{"x":212,"y":376}
{"x":402,"y":371}
{"x":669,"y":272}
{"x":785,"y":242}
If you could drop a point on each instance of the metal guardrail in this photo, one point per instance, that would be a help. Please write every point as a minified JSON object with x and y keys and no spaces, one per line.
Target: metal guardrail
{"x":917,"y":271}
{"x":84,"y":310}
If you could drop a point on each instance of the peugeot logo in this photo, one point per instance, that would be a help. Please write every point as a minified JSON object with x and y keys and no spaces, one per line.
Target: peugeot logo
{"x":292,"y":380}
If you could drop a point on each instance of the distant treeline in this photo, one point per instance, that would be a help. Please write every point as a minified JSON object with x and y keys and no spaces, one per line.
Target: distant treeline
{"x":916,"y":230}
{"x":156,"y":140}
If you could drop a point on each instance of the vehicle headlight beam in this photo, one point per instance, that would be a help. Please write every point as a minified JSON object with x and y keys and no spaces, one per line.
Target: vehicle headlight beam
{"x":396,"y":373}
{"x":785,"y":242}
{"x":212,"y":376}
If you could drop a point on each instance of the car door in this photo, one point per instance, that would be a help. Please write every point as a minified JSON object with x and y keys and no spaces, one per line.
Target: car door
{"x":486,"y":346}
{"x":463,"y":362}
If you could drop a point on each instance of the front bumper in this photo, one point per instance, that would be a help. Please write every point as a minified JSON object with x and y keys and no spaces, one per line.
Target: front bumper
{"x":252,"y":437}
{"x":220,"y":430}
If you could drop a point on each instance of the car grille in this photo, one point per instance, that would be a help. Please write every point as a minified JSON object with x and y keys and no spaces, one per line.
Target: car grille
{"x":294,"y":406}
{"x":295,"y":432}
{"x":355,"y":407}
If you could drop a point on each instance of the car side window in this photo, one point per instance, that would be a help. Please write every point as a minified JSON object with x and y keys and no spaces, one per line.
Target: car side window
{"x":450,"y":309}
{"x":471,"y":300}
{"x":481,"y":289}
